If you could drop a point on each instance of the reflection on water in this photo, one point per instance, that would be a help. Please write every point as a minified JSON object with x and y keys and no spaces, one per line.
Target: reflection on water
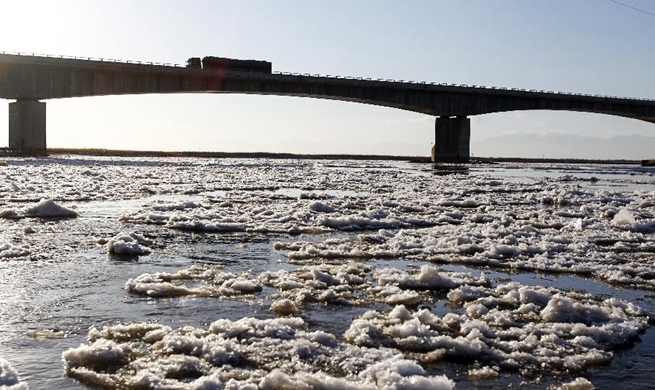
{"x":449,"y":169}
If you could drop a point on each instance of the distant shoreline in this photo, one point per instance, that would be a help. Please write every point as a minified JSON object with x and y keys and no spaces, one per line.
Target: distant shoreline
{"x":414,"y":159}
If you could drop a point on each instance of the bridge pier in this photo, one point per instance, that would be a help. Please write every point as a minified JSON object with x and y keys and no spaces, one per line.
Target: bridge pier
{"x":27,"y":121}
{"x":452,"y":136}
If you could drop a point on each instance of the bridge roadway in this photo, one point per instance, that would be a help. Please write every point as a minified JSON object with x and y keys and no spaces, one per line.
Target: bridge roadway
{"x":30,"y":79}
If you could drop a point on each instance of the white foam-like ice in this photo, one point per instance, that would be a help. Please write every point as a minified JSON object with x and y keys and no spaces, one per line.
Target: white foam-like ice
{"x":9,"y":379}
{"x":45,"y":208}
{"x":577,"y":384}
{"x":248,"y":353}
{"x":10,"y":251}
{"x":483,"y":373}
{"x":128,"y":244}
{"x":213,"y":282}
{"x":514,"y":327}
{"x":284,"y":307}
{"x":559,"y":223}
{"x":346,"y":284}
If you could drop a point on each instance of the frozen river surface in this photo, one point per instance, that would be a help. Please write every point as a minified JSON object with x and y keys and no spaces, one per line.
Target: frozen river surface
{"x":182,"y":273}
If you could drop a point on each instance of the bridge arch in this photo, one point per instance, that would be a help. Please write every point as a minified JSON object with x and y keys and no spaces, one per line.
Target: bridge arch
{"x":261,"y":123}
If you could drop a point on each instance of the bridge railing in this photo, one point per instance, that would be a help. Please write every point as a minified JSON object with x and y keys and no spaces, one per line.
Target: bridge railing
{"x":99,"y":59}
{"x":457,"y":85}
{"x":354,"y":78}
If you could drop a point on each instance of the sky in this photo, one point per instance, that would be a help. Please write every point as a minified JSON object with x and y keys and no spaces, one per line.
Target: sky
{"x":583,"y":46}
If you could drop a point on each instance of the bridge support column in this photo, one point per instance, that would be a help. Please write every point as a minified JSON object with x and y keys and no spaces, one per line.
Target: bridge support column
{"x":27,"y":126}
{"x":452,"y":136}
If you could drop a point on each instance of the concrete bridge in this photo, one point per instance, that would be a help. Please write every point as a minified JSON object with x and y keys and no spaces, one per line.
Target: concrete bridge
{"x":30,"y":79}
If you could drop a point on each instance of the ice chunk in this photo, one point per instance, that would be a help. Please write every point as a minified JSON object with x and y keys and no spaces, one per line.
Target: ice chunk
{"x":9,"y":251}
{"x":244,"y":354}
{"x":128,"y":244}
{"x":562,"y":309}
{"x":321,"y":207}
{"x":216,"y":283}
{"x":577,"y":384}
{"x":29,"y":230}
{"x":284,"y":307}
{"x":484,"y":373}
{"x":403,"y":298}
{"x":508,"y":327}
{"x":398,"y":373}
{"x":9,"y":377}
{"x":9,"y":213}
{"x":624,"y":217}
{"x":47,"y":208}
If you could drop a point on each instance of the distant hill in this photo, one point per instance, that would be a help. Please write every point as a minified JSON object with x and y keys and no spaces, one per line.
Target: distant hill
{"x":528,"y":145}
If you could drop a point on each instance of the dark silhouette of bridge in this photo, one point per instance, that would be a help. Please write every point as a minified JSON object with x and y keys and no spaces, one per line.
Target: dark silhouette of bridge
{"x":28,"y":79}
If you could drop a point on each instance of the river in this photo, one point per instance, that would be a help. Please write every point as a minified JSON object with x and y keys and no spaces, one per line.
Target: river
{"x":130,"y":272}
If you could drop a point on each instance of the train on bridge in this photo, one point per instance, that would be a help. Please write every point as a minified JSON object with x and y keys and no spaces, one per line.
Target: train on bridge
{"x":224,"y":63}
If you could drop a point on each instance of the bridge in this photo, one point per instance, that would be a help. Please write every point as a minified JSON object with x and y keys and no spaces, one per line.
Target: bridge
{"x":29,"y":79}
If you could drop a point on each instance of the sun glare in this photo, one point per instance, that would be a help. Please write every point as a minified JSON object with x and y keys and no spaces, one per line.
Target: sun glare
{"x":36,"y":26}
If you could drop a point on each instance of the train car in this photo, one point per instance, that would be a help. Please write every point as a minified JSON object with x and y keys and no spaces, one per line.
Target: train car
{"x":235,"y":64}
{"x":194,"y":62}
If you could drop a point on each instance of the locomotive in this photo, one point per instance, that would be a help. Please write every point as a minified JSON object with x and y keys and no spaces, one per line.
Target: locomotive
{"x":223,"y":63}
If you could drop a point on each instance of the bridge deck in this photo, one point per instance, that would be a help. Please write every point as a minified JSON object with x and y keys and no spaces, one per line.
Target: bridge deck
{"x":39,"y":78}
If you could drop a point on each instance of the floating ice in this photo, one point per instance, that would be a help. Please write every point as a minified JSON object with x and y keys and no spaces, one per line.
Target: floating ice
{"x":484,"y":373}
{"x":47,"y":208}
{"x":9,"y":214}
{"x":544,"y":247}
{"x":284,"y":307}
{"x":514,"y":327}
{"x":291,"y":216}
{"x":9,"y":377}
{"x":369,"y":210}
{"x":249,"y":353}
{"x":624,"y":217}
{"x":346,"y":284}
{"x":217,"y":283}
{"x":128,"y":244}
{"x":577,"y":384}
{"x":9,"y":251}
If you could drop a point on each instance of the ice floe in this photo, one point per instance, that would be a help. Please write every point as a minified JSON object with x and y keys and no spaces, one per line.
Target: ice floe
{"x":615,"y":255}
{"x":346,"y":284}
{"x":9,"y":379}
{"x":334,"y":222}
{"x":577,"y":384}
{"x":245,"y":354}
{"x":10,"y":251}
{"x":511,"y":327}
{"x":45,"y":208}
{"x":128,"y":244}
{"x":213,"y":282}
{"x":514,"y":327}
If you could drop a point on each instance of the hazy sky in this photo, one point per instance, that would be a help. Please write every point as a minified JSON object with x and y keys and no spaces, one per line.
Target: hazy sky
{"x":585,"y":46}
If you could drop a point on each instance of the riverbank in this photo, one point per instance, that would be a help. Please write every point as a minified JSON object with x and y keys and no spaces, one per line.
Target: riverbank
{"x":415,"y":159}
